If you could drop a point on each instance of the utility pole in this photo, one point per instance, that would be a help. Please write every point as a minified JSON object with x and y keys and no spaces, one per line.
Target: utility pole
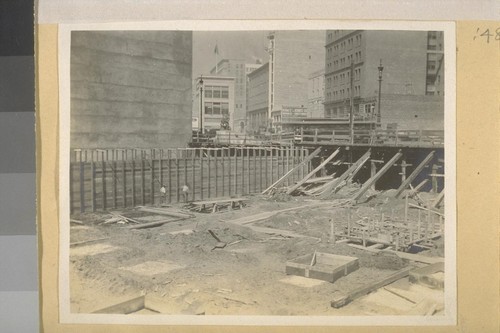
{"x":380,"y":70}
{"x":201,"y":104}
{"x":351,"y":109}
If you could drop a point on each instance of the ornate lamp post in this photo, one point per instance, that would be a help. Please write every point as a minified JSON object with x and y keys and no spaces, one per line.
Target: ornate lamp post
{"x":380,"y":70}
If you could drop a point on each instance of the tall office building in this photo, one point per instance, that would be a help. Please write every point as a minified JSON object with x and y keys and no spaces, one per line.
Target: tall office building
{"x":293,"y":57}
{"x":238,"y":69}
{"x":411,"y":67}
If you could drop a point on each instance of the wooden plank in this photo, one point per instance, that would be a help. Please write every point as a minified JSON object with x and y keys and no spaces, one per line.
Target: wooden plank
{"x":201,"y":174}
{"x":350,"y":172}
{"x":414,"y":174}
{"x":438,"y":200}
{"x":216,"y":173}
{"x":248,"y":171}
{"x":417,"y":257}
{"x":223,"y":153}
{"x":343,"y":299}
{"x":103,"y":184}
{"x":301,"y":165}
{"x":272,"y":167}
{"x":88,"y":241}
{"x":143,"y":183}
{"x":185,"y":160}
{"x":310,"y":174}
{"x":124,"y":183}
{"x":229,"y":171}
{"x":169,"y":156}
{"x":260,"y":169}
{"x":242,"y":171}
{"x":71,"y":188}
{"x":235,"y":163}
{"x":426,"y":209}
{"x":153,"y":224}
{"x":193,"y":175}
{"x":161,"y":211}
{"x":126,"y":307}
{"x":377,"y":176}
{"x":92,"y":185}
{"x":152,"y":171}
{"x":133,"y":182}
{"x":177,"y":176}
{"x":115,"y":192}
{"x":254,"y":169}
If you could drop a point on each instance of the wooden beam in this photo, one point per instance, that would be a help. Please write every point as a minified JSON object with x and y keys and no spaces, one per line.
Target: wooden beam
{"x":438,"y":200}
{"x":343,"y":299}
{"x":153,"y":224}
{"x":312,"y":173}
{"x":130,"y":306}
{"x":377,"y":176}
{"x":282,"y":179}
{"x":351,"y":170}
{"x":414,"y":174}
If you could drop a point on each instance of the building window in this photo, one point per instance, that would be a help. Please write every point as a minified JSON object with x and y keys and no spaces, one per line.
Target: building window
{"x":208,"y":91}
{"x":208,"y":108}
{"x":224,"y":92}
{"x":224,"y":107}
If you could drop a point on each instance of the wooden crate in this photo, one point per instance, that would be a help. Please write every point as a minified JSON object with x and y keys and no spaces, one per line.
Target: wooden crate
{"x":326,"y":266}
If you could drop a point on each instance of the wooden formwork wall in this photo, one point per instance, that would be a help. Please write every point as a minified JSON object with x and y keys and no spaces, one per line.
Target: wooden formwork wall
{"x":105,"y":180}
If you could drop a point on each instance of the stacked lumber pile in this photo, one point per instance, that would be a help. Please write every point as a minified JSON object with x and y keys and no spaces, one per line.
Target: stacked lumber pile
{"x":216,"y":205}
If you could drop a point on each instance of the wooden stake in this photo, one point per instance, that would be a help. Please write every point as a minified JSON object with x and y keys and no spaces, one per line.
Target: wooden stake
{"x":414,"y":174}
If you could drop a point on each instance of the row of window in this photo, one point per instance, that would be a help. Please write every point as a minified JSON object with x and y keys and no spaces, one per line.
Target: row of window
{"x":216,"y":91}
{"x":216,"y":108}
{"x":343,"y":93}
{"x":365,"y":110}
{"x":345,"y":61}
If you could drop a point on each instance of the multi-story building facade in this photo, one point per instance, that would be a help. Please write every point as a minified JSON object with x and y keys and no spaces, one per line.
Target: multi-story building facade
{"x":216,"y":103}
{"x":257,"y":115}
{"x":293,"y":56}
{"x":238,"y":69}
{"x":316,"y":94}
{"x":411,"y":63}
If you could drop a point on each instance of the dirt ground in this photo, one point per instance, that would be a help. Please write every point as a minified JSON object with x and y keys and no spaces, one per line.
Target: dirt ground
{"x":177,"y":263}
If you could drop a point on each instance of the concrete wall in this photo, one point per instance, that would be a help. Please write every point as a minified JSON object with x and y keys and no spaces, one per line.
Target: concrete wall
{"x":130,"y":89}
{"x":413,"y":112}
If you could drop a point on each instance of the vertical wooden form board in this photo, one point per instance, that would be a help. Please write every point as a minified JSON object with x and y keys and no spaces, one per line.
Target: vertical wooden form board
{"x":223,"y":167}
{"x":242,"y":179}
{"x":248,"y":171}
{"x":235,"y":165}
{"x":177,"y":176}
{"x":193,"y":175}
{"x":201,"y":173}
{"x":216,"y":158}
{"x":103,"y":185}
{"x":92,"y":186}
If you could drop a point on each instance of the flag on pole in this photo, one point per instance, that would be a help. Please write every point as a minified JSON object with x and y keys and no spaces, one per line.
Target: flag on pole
{"x":216,"y":51}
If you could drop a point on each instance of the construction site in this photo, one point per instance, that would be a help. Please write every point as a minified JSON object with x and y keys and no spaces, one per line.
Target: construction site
{"x":310,"y":229}
{"x":308,"y":185}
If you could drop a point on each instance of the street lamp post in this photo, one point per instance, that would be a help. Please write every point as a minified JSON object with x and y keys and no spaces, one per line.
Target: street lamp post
{"x":201,"y":104}
{"x":380,"y":70}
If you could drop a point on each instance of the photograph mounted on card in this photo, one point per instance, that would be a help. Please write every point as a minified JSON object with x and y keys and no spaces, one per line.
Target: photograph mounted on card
{"x":280,"y":173}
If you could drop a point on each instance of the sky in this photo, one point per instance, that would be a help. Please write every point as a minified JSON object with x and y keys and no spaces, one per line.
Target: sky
{"x":246,"y":45}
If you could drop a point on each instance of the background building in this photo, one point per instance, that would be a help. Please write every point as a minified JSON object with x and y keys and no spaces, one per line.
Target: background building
{"x":130,"y":89}
{"x":316,"y":94}
{"x":239,"y":70}
{"x":411,"y":86}
{"x":217,"y":101}
{"x":293,"y":56}
{"x":258,"y":100}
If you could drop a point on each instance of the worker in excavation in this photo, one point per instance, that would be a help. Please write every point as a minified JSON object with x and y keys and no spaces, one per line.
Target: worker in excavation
{"x":163,"y":191}
{"x":185,"y":193}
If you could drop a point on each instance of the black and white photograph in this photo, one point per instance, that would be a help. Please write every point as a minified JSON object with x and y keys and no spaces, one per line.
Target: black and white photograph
{"x":274,"y":173}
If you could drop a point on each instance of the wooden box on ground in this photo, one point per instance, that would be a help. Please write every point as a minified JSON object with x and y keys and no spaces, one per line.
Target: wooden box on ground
{"x":326,"y":267}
